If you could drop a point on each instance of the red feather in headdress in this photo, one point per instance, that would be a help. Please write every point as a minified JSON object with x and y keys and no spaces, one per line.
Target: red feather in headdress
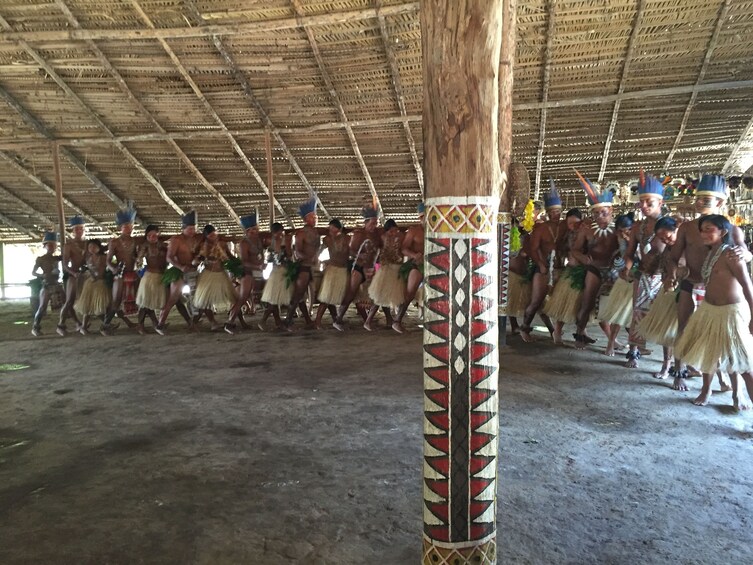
{"x":586,"y":184}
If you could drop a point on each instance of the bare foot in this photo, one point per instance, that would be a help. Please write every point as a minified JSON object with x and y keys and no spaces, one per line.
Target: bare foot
{"x":525,"y":335}
{"x":398,"y":327}
{"x":693,"y":372}
{"x":367,"y":326}
{"x":580,"y":342}
{"x":631,"y":364}
{"x":740,"y":404}
{"x":703,"y":398}
{"x":557,"y":337}
{"x":141,"y":330}
{"x":662,"y":374}
{"x":680,"y":384}
{"x":609,"y":351}
{"x":619,"y":346}
{"x":725,"y":387}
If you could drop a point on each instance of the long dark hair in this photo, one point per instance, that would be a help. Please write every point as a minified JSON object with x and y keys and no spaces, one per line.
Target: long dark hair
{"x":719,"y":221}
{"x":665,"y":223}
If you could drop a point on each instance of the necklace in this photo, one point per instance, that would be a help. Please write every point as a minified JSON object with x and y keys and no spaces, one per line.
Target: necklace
{"x":711,"y":259}
{"x":602,"y":232}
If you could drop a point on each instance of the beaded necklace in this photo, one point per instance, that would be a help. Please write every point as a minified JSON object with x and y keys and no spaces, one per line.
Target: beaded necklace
{"x":711,"y":259}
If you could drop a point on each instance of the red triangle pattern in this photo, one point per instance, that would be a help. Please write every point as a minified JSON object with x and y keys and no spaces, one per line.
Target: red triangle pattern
{"x":479,"y":328}
{"x":478,"y":486}
{"x":479,"y":462}
{"x":439,"y":533}
{"x":480,"y":282}
{"x":440,"y":306}
{"x":440,"y":351}
{"x":480,"y":531}
{"x":441,"y":488}
{"x":479,"y":258}
{"x":479,"y":396}
{"x":480,"y":350}
{"x":440,"y":328}
{"x":440,"y":509}
{"x":441,"y":443}
{"x":440,"y":375}
{"x":439,"y":396}
{"x":479,"y":306}
{"x":478,"y":507}
{"x":478,"y":419}
{"x":440,"y":464}
{"x":480,"y":373}
{"x":479,"y":440}
{"x":440,"y":259}
{"x":440,"y":419}
{"x":440,"y":283}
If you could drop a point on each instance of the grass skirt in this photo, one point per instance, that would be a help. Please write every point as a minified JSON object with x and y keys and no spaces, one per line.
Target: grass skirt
{"x":276,"y":292}
{"x":564,"y":302}
{"x":152,"y":293}
{"x":387,"y":288}
{"x":94,"y":299}
{"x":214,"y":291}
{"x":660,"y":324}
{"x":617,"y":306}
{"x":717,"y":334}
{"x":518,"y":295}
{"x":334,"y":284}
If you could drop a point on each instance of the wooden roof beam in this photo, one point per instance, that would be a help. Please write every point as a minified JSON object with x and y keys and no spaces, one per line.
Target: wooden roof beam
{"x":731,"y":162}
{"x":18,"y":227}
{"x":623,"y":81}
{"x":200,"y":95}
{"x":338,"y":106}
{"x":26,"y":207}
{"x":707,"y":57}
{"x":47,"y":188}
{"x":266,"y":120}
{"x":397,"y":85}
{"x":545,"y":94}
{"x":250,"y":28}
{"x":93,"y":115}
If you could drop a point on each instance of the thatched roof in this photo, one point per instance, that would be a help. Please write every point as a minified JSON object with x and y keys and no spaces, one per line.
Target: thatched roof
{"x":166,"y":102}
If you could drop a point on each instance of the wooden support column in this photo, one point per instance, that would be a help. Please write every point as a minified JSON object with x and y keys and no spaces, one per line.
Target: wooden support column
{"x":59,"y":194}
{"x":504,"y":218}
{"x":2,"y":271}
{"x":270,"y":178}
{"x":461,"y":51}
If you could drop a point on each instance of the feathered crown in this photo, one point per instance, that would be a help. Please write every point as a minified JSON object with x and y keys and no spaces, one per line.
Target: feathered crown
{"x":188,"y":219}
{"x":50,"y":237}
{"x":552,"y":200}
{"x":76,"y":221}
{"x":712,"y":185}
{"x":307,"y":207}
{"x":595,"y":198}
{"x":649,"y":185}
{"x":421,"y":208}
{"x":125,"y":216}
{"x":249,"y":221}
{"x":369,"y":212}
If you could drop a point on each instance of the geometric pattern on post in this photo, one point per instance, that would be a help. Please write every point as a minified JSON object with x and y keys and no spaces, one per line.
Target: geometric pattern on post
{"x":461,"y":370}
{"x":504,"y":225}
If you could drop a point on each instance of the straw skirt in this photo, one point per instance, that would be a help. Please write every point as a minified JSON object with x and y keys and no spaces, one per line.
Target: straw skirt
{"x":717,"y":334}
{"x":564,"y":302}
{"x":276,"y":290}
{"x":94,"y":299}
{"x":215,"y":291}
{"x":660,"y":324}
{"x":518,"y":295}
{"x":617,"y":306}
{"x":387,"y":288}
{"x":152,"y":293}
{"x":334,"y":284}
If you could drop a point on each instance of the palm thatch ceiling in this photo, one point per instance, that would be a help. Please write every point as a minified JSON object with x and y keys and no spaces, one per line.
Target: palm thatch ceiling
{"x":168,"y":102}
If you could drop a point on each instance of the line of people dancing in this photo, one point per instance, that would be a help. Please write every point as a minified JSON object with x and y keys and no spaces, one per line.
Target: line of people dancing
{"x":199,"y":274}
{"x":683,"y":284}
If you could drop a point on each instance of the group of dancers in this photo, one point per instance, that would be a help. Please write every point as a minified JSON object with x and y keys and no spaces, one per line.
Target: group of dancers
{"x":681,"y":283}
{"x":373,"y":267}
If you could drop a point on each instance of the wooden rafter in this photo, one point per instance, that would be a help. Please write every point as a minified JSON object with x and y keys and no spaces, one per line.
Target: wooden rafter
{"x":207,"y":31}
{"x":623,"y":81}
{"x":47,"y":188}
{"x":26,"y":207}
{"x":397,"y":85}
{"x":702,"y":73}
{"x":730,"y":162}
{"x":338,"y":105}
{"x":91,"y":113}
{"x":200,"y":95}
{"x":16,"y":226}
{"x":545,"y":94}
{"x":266,"y":120}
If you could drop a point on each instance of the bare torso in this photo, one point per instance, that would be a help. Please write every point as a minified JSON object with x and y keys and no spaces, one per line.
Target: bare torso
{"x":723,"y":287}
{"x":307,"y":245}
{"x":392,"y":246}
{"x":214,"y":254}
{"x":123,"y":249}
{"x":413,"y":243}
{"x":595,"y":247}
{"x":519,"y":259}
{"x":338,"y":247}
{"x":74,"y":255}
{"x":181,"y":251}
{"x":251,"y":252}
{"x":364,"y":247}
{"x":155,"y":256}
{"x":48,"y":264}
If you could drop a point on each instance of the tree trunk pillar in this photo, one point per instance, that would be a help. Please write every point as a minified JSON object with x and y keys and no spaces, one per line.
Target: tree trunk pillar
{"x":461,"y":52}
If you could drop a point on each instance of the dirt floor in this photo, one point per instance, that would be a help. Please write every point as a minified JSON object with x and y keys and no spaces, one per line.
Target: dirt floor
{"x":268,"y":448}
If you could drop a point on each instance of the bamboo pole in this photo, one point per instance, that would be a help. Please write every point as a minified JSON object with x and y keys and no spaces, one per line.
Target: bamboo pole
{"x":461,"y":43}
{"x":59,"y":193}
{"x":270,"y":179}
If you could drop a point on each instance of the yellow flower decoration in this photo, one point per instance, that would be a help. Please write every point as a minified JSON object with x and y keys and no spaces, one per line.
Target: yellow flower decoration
{"x":528,"y":221}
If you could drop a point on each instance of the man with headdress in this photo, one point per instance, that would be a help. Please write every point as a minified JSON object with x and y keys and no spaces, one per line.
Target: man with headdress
{"x":305,"y":255}
{"x":710,"y":196}
{"x":214,"y":290}
{"x":48,"y":264}
{"x":642,"y":261}
{"x":364,"y":248}
{"x":122,"y":250}
{"x":251,"y":254}
{"x":335,"y":278}
{"x":413,"y":250}
{"x":594,"y":249}
{"x":152,"y":293}
{"x":544,"y":241}
{"x":74,"y":260}
{"x":181,"y":252}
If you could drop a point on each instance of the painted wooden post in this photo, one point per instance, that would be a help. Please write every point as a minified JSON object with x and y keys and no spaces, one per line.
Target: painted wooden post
{"x":461,"y":52}
{"x":59,"y":195}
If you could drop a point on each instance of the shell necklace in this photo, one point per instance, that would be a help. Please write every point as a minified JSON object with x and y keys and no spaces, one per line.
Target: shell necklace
{"x":711,"y":259}
{"x":602,"y":232}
